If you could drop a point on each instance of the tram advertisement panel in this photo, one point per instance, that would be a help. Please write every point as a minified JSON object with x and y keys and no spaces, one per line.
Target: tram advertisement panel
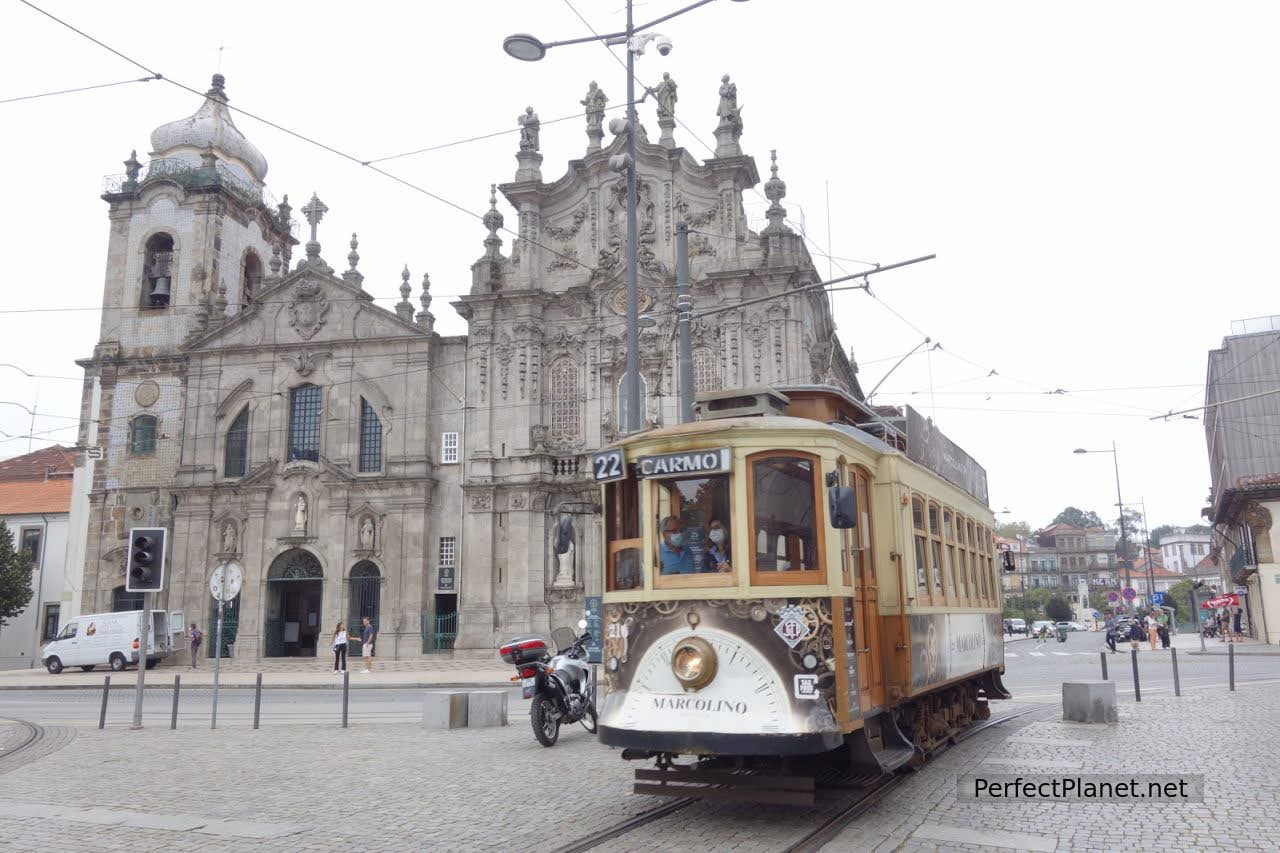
{"x":949,"y":645}
{"x":770,"y":666}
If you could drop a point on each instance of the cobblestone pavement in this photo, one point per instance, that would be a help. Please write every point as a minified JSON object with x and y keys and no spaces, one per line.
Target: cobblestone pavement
{"x":399,"y":787}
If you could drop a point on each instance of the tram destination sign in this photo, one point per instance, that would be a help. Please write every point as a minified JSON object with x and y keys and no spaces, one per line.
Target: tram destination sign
{"x":687,"y":462}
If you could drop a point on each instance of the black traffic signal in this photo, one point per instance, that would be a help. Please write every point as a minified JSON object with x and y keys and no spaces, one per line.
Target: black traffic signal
{"x":145,"y":570}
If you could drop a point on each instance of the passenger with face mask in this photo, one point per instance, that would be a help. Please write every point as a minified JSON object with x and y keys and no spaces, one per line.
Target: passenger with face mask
{"x":676,"y":558}
{"x":718,"y":553}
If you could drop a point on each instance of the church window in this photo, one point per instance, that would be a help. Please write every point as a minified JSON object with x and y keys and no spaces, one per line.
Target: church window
{"x":236,"y":459}
{"x":304,"y":423}
{"x":370,"y":438}
{"x":122,"y":601}
{"x":449,"y":448}
{"x":622,"y":399}
{"x":142,"y":435}
{"x":706,"y":370}
{"x":157,"y":263}
{"x":250,"y":277}
{"x":566,"y":403}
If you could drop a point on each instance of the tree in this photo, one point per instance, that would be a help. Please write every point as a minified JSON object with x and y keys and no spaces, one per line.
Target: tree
{"x":1078,"y":517}
{"x":1163,"y":530}
{"x":1013,"y":529}
{"x":1198,"y":528}
{"x":1098,"y":601}
{"x":1179,"y":597}
{"x":15,"y":577}
{"x":1058,"y":609}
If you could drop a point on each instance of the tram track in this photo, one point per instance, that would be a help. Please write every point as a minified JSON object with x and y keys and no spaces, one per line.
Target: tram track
{"x":34,"y":734}
{"x":813,"y":840}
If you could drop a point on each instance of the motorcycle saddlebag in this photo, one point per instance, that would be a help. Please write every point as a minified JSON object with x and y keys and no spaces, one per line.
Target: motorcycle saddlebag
{"x":523,"y":650}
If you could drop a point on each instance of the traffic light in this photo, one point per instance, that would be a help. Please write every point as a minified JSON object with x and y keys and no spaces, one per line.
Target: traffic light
{"x":145,"y":570}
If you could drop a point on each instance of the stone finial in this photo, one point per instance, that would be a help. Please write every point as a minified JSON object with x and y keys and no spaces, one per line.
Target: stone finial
{"x":275,"y":263}
{"x":665,"y":94}
{"x":775,"y":189}
{"x":493,"y":221}
{"x":528,"y":158}
{"x":286,"y":212}
{"x":220,"y":301}
{"x":594,"y":102}
{"x":729,"y":130}
{"x":314,"y":211}
{"x":425,"y":318}
{"x":353,"y":276}
{"x":404,"y":308}
{"x":132,"y":168}
{"x":218,"y":88}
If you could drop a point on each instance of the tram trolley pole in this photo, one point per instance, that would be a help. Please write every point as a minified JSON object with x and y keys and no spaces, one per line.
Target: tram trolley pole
{"x":106,"y":691}
{"x":1102,"y":656}
{"x":1137,"y":688}
{"x":173,"y":714}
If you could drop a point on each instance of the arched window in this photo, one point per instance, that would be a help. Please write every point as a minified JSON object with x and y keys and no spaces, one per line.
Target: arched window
{"x":122,"y":601}
{"x":157,"y":282}
{"x":566,"y":403}
{"x":622,"y":399}
{"x":706,"y":370}
{"x":370,"y":438}
{"x":304,"y":423}
{"x":236,"y":460}
{"x":142,"y":435}
{"x":250,"y":277}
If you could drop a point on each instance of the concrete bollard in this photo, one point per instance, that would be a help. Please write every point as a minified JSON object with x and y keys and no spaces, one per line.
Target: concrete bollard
{"x":1089,"y":702}
{"x":444,"y":710}
{"x":487,"y":708}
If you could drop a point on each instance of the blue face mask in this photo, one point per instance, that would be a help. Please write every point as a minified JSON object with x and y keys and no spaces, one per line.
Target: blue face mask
{"x":675,"y":540}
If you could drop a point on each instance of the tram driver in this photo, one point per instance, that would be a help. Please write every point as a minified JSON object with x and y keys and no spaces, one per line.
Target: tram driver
{"x":677,"y":558}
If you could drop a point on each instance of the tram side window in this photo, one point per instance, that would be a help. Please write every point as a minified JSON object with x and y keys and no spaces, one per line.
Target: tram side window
{"x":988,"y":546}
{"x":935,"y":548}
{"x":686,"y":512}
{"x":955,"y":570}
{"x":862,"y":493}
{"x":622,"y":529}
{"x":917,"y":523}
{"x":785,"y":514}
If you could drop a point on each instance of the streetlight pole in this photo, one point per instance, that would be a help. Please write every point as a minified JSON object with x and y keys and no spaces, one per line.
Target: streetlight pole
{"x":1124,"y":536}
{"x":527,"y":48}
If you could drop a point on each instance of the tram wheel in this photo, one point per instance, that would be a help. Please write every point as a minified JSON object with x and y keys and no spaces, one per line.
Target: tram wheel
{"x":546,"y":727}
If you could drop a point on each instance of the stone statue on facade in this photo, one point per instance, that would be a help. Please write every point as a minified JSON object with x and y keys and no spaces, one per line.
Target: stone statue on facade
{"x":366,"y":534}
{"x":228,"y":538}
{"x":594,"y":103}
{"x":300,"y":514}
{"x":729,"y":130}
{"x":529,"y":127}
{"x":562,"y":546}
{"x":665,"y":94}
{"x":728,"y":108}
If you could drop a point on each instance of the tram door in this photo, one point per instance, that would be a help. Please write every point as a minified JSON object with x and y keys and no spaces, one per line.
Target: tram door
{"x":866,"y":594}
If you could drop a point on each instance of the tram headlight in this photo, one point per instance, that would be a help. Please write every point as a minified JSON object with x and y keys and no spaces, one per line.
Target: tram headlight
{"x":693,"y":661}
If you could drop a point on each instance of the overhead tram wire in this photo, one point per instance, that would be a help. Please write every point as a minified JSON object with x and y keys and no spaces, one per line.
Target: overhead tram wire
{"x":80,"y":89}
{"x":338,"y":152}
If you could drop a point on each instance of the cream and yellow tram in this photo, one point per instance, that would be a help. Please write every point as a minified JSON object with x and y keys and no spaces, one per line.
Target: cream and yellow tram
{"x":781,"y":582}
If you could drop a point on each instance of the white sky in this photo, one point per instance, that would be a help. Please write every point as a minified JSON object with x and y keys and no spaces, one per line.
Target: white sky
{"x":1098,"y":180}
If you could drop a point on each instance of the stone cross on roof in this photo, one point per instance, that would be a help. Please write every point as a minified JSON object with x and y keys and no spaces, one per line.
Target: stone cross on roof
{"x":314,"y":210}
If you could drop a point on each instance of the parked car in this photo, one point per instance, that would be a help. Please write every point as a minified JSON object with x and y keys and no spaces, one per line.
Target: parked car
{"x":1042,"y":623}
{"x":1070,"y":626}
{"x":1017,"y":626}
{"x":109,"y":639}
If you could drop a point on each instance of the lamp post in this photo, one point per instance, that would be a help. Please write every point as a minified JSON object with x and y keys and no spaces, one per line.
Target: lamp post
{"x":1124,"y":537}
{"x":527,"y":48}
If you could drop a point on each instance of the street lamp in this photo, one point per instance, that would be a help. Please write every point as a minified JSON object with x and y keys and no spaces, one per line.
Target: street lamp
{"x":1124,"y":537}
{"x":528,"y":48}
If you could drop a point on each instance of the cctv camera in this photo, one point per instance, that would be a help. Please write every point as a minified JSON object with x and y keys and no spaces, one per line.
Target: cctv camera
{"x":663,"y":44}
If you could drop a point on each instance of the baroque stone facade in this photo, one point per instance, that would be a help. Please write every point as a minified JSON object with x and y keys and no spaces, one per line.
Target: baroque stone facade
{"x":272,"y":415}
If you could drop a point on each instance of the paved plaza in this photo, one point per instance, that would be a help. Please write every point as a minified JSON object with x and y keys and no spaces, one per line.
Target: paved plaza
{"x":396,"y":786}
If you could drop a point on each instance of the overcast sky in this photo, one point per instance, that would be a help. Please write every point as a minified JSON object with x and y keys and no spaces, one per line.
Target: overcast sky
{"x":1098,"y":180}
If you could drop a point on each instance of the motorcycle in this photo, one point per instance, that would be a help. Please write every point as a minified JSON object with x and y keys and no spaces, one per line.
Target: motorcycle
{"x":558,"y":684}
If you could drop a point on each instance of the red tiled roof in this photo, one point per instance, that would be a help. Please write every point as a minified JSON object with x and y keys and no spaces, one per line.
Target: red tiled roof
{"x":39,"y":464}
{"x":1206,"y":562}
{"x":32,"y":496}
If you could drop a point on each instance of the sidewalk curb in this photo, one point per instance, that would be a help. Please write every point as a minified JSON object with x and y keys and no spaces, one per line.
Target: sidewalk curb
{"x":336,"y":685}
{"x":1223,"y":654}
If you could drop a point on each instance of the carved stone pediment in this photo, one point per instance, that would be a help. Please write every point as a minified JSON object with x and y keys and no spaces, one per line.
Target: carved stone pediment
{"x":309,"y":308}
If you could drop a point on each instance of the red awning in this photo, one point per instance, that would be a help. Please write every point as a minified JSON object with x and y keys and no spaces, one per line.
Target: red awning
{"x":1229,"y":600}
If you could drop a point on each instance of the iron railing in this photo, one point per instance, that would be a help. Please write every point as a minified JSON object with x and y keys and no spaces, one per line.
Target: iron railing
{"x":439,"y":632}
{"x":193,"y":176}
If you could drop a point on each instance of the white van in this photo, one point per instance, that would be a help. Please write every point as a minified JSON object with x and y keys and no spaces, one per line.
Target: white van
{"x":109,"y":639}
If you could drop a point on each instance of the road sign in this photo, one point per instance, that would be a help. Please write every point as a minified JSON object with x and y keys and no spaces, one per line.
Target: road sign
{"x":1113,"y":597}
{"x":1157,"y":598}
{"x":1242,"y":590}
{"x":1130,"y":593}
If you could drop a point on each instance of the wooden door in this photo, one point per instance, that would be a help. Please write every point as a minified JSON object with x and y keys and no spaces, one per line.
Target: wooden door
{"x":866,"y":595}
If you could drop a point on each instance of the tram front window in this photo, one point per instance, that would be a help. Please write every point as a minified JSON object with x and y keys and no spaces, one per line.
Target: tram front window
{"x":687,"y":512}
{"x":622,"y":530}
{"x":785,"y":517}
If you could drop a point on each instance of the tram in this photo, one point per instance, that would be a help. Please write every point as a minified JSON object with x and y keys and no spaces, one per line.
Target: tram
{"x":794,"y":576}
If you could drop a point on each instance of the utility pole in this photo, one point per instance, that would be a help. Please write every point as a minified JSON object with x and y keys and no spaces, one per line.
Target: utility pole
{"x":684,"y":309}
{"x":144,"y":629}
{"x":634,"y":403}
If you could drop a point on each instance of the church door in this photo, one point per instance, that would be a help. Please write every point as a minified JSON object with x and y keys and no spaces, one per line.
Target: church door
{"x":364,"y":596}
{"x":295,"y":588}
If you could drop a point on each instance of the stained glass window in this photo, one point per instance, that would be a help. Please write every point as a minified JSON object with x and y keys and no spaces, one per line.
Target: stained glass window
{"x":304,"y":423}
{"x":370,"y":438}
{"x":566,"y":402}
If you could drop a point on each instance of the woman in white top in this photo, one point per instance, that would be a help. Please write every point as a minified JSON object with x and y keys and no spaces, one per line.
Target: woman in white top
{"x":340,"y":648}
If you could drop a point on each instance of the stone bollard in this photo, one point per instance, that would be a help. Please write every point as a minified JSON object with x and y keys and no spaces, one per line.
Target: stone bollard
{"x":487,"y":708}
{"x":1089,"y":701}
{"x":444,"y":710}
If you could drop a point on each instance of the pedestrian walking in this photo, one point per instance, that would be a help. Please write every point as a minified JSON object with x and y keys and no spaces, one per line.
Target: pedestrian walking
{"x":1042,"y":635}
{"x":1237,"y":628}
{"x":1111,"y":637}
{"x":196,"y":636}
{"x":367,"y":635}
{"x":1136,"y":634}
{"x":1224,"y":626}
{"x":1162,"y":629}
{"x":1152,"y":624}
{"x":340,"y":648}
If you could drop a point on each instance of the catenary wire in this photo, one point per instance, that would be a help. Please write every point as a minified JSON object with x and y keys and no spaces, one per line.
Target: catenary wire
{"x":79,"y":89}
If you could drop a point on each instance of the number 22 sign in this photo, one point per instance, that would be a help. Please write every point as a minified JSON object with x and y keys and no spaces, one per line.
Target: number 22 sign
{"x":608,"y":466}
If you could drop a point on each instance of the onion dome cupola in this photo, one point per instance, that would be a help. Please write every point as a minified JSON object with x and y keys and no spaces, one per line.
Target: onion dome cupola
{"x":210,"y":128}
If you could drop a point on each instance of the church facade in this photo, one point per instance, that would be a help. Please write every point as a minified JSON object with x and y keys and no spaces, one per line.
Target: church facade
{"x":354,"y":462}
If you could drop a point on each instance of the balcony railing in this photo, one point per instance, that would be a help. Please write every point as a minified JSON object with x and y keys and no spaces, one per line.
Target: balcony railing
{"x":192,"y":176}
{"x":566,"y":466}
